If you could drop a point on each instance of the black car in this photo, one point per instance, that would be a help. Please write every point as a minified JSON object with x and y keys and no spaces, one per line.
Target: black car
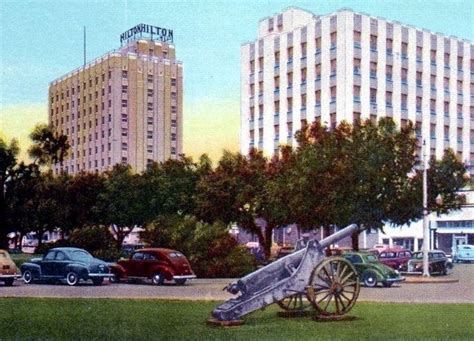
{"x":438,"y":263}
{"x":66,"y":263}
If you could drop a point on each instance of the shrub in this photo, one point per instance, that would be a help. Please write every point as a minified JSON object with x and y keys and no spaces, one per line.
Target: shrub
{"x":98,"y":240}
{"x":210,"y":249}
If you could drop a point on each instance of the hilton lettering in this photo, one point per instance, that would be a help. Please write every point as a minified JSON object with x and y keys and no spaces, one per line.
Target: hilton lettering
{"x":153,"y":32}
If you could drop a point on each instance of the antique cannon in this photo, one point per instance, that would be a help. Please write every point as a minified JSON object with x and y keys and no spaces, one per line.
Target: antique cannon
{"x":330,"y":285}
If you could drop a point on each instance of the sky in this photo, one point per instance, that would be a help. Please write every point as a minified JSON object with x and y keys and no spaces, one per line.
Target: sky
{"x":43,"y":40}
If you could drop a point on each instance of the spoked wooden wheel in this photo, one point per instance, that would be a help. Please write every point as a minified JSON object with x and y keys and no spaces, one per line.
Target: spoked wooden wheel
{"x":295,"y":302}
{"x":333,"y":287}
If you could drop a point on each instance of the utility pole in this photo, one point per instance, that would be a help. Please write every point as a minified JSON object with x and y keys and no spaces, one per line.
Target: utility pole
{"x":426,"y":232}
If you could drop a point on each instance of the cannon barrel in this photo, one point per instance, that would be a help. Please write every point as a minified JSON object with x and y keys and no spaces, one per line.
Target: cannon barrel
{"x":335,"y":237}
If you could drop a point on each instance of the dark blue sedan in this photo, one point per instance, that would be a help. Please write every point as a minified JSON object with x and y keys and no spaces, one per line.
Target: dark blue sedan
{"x":66,"y":264}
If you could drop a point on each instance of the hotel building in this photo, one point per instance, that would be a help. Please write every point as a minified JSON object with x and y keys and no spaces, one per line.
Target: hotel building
{"x":348,"y":66}
{"x":124,"y":107}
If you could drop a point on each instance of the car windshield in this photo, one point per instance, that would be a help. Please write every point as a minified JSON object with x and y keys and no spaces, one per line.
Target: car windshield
{"x":81,"y":255}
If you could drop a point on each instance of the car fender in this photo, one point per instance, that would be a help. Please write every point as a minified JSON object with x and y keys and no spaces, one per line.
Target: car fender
{"x":117,"y":269}
{"x":81,"y":270}
{"x":376,"y":271}
{"x":34,"y":268}
{"x":168,"y":271}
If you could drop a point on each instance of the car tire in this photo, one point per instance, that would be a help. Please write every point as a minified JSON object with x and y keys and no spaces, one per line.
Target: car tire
{"x":180,"y":281}
{"x":72,"y":278}
{"x":98,"y":281}
{"x":9,"y":282}
{"x":369,"y":279}
{"x":114,"y":279}
{"x":158,"y":278}
{"x":28,"y":277}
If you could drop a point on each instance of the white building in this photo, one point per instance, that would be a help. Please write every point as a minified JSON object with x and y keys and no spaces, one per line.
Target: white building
{"x":346,"y":66}
{"x":446,"y":231}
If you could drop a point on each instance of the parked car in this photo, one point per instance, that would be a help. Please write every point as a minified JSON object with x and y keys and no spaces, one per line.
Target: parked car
{"x":395,"y":257}
{"x":155,"y":264}
{"x":66,"y":263}
{"x":464,"y":253}
{"x":8,"y":270}
{"x":377,"y":248}
{"x":371,"y":271}
{"x":438,"y":263}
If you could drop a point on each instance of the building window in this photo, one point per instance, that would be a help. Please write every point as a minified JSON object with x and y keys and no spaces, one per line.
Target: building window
{"x":373,"y":42}
{"x":149,"y":134}
{"x":150,"y":120}
{"x":333,"y":40}
{"x":357,"y":39}
{"x":150,"y":78}
{"x":149,"y":106}
{"x":404,"y":101}
{"x":419,"y":53}
{"x":124,"y":74}
{"x":333,"y":94}
{"x":124,"y":132}
{"x":356,"y":93}
{"x":433,"y":106}
{"x":357,"y":63}
{"x":419,"y":78}
{"x":433,"y":57}
{"x":318,"y":71}
{"x":389,"y":44}
{"x":333,"y":67}
{"x":317,"y":43}
{"x":373,"y":96}
{"x":124,"y":89}
{"x":388,"y":100}
{"x":289,"y":53}
{"x":404,"y":76}
{"x":150,"y":92}
{"x":373,"y":69}
{"x":124,"y":146}
{"x":418,"y":104}
{"x":149,"y":148}
{"x":318,"y":97}
{"x":404,"y":50}
{"x":446,"y":60}
{"x":124,"y":103}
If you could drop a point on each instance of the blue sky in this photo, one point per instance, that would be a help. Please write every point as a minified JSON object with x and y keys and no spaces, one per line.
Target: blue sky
{"x":42,"y":40}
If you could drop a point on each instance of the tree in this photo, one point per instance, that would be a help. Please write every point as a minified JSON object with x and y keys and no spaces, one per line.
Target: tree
{"x":243,"y":189}
{"x":122,"y":204}
{"x":48,"y":148}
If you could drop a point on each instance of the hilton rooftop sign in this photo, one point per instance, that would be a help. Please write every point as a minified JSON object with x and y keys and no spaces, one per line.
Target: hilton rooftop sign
{"x":153,"y":32}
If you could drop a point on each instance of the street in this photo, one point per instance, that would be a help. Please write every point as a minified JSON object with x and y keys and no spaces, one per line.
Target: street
{"x":211,"y":289}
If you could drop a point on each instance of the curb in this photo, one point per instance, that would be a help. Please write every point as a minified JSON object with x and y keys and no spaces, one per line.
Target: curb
{"x":423,"y":280}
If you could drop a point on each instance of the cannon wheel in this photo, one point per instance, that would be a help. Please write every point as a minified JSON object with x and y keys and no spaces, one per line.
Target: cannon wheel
{"x":333,"y":287}
{"x":294,"y":303}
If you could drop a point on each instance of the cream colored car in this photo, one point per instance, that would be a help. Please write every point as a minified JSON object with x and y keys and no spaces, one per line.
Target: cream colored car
{"x":8,"y":270}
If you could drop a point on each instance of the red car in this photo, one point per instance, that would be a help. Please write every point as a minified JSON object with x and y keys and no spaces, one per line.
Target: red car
{"x":155,"y":264}
{"x":395,"y":257}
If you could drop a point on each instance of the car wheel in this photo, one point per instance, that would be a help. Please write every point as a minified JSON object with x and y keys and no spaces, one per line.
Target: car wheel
{"x":180,"y":281}
{"x":98,"y":281}
{"x":370,"y":279}
{"x":114,"y":279}
{"x":72,"y":278}
{"x":387,"y":284}
{"x":9,"y":282}
{"x":158,"y":278}
{"x":28,"y":277}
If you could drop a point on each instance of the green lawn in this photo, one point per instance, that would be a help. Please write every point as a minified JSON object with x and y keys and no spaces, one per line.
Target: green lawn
{"x":25,"y":318}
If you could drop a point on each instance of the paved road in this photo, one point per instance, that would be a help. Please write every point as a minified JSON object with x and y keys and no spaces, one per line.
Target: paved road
{"x":211,"y":289}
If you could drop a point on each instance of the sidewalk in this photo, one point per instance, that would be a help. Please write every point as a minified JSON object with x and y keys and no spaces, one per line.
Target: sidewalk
{"x":418,"y":279}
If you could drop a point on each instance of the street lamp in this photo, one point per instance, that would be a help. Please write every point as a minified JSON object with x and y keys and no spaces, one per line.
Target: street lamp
{"x":426,"y":232}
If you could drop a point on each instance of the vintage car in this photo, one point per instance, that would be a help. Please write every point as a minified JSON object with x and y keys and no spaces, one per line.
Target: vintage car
{"x":464,"y":253}
{"x":394,"y":257}
{"x":371,"y":271}
{"x":438,"y":263}
{"x":377,"y":248}
{"x":155,"y":264}
{"x":8,"y":270}
{"x":66,"y":263}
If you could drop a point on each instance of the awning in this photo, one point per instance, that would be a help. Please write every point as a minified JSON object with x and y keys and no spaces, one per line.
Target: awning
{"x":454,"y":230}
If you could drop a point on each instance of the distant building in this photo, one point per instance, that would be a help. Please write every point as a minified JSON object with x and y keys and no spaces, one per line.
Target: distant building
{"x":446,"y":231}
{"x":124,"y":107}
{"x":347,"y":66}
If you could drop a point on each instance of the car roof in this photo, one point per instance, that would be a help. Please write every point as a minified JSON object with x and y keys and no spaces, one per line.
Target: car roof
{"x":156,"y":249}
{"x":396,"y":249}
{"x":67,"y":249}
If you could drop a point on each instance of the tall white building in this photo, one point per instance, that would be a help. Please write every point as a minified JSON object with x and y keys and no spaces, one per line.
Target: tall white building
{"x":346,"y":66}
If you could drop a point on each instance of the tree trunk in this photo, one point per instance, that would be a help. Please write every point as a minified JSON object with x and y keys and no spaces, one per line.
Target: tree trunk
{"x":120,"y":234}
{"x":268,"y":240}
{"x":355,"y":240}
{"x":39,"y":235}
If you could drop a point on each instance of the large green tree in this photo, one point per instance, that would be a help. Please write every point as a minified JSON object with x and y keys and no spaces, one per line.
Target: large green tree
{"x":48,"y":148}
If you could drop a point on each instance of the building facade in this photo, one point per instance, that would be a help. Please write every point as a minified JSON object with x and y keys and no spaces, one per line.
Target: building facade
{"x":348,"y":66}
{"x":124,"y":107}
{"x":446,"y":231}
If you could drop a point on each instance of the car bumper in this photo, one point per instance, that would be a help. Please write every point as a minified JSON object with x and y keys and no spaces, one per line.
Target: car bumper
{"x":10,"y":276}
{"x":464,"y":259}
{"x":395,"y":280}
{"x":101,"y":275}
{"x":184,"y":277}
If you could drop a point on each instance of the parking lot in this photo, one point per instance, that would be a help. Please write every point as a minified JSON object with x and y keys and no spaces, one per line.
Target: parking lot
{"x":211,"y":289}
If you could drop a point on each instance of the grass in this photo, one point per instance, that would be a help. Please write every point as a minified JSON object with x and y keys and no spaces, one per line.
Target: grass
{"x":20,"y":258}
{"x":26,"y":318}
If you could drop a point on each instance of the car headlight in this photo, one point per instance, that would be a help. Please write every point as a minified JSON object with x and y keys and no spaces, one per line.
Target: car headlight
{"x":397,"y":272}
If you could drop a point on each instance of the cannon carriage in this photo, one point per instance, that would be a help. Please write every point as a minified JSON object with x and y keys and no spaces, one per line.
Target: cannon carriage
{"x":303,"y":279}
